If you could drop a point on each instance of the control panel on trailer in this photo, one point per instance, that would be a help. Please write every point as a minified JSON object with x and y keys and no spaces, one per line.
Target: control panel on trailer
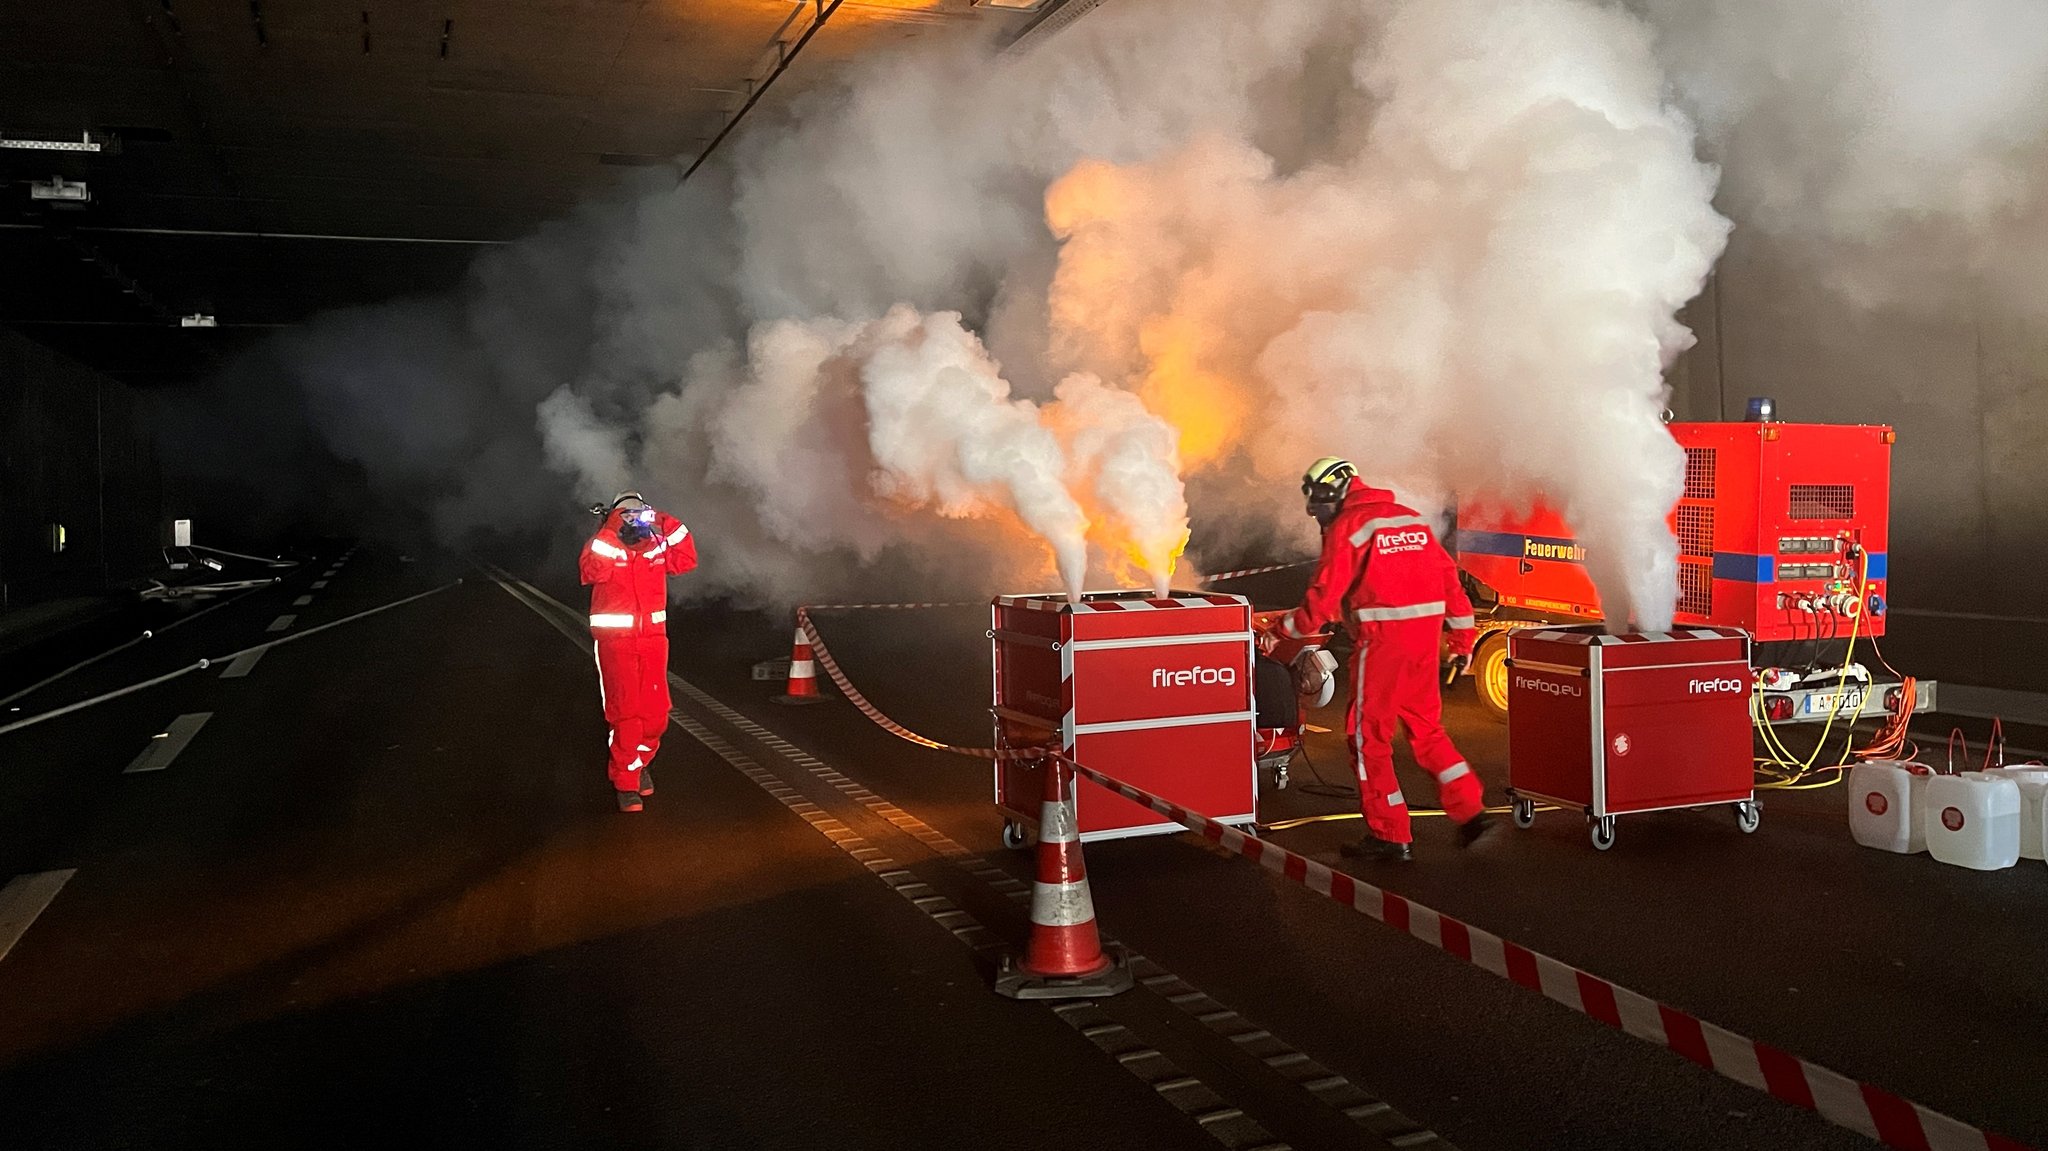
{"x":1782,"y":531}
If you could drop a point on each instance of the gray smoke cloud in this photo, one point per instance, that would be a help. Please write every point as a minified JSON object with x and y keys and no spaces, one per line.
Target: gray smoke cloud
{"x":1900,"y":149}
{"x":959,"y":321}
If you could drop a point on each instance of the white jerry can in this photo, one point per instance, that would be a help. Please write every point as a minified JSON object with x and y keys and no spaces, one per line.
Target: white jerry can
{"x":2033,"y":783}
{"x":1886,"y":798}
{"x":1973,"y":820}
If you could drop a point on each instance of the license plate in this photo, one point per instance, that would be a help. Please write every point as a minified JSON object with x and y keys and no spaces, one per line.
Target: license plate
{"x":1851,"y":703}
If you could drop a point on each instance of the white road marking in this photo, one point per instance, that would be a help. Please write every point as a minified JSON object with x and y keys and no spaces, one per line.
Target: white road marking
{"x":23,"y":899}
{"x":318,"y":584}
{"x":302,"y":601}
{"x":166,"y":744}
{"x":281,"y":622}
{"x":243,"y":664}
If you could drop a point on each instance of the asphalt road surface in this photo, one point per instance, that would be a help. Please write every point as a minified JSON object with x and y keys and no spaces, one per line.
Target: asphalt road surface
{"x":371,"y":890}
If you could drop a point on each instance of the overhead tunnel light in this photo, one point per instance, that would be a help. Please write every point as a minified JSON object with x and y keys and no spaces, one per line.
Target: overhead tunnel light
{"x":197,"y":320}
{"x":1011,"y":5}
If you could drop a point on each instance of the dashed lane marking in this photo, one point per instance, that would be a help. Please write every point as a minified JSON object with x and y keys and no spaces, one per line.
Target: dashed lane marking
{"x":23,"y":900}
{"x":165,"y":745}
{"x":1228,"y":1126}
{"x":302,"y":601}
{"x":281,"y":622}
{"x":243,"y":664}
{"x":1324,"y":1085}
{"x":319,"y":584}
{"x":1376,"y":1117}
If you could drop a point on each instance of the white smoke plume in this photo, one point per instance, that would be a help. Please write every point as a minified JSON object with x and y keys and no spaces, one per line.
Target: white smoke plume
{"x":578,"y":443}
{"x":1475,"y":295}
{"x":1447,"y":238}
{"x":1128,"y":461}
{"x":945,"y":432}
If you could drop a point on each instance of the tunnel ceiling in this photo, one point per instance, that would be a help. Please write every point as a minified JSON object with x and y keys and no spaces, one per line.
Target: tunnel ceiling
{"x":240,"y":138}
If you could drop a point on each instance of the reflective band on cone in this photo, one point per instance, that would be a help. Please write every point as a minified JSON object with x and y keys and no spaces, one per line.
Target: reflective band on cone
{"x":1064,"y":958}
{"x":803,"y":673}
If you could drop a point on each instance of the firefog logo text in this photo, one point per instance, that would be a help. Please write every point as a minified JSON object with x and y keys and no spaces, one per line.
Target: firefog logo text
{"x":1547,"y":686}
{"x":1714,"y":686}
{"x":1402,"y":541}
{"x":1205,"y":676}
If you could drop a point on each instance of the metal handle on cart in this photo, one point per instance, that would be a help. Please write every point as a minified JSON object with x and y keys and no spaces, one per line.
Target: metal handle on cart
{"x":1668,"y":666}
{"x":1024,"y":638}
{"x":1557,"y":668}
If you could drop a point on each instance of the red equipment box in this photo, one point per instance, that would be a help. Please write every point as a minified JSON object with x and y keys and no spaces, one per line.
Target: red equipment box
{"x":1613,"y":724}
{"x":1773,"y":516}
{"x":1155,"y":692}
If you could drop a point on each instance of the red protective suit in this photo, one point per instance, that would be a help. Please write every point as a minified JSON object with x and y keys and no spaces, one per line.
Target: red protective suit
{"x":629,"y":619}
{"x":1387,"y":579}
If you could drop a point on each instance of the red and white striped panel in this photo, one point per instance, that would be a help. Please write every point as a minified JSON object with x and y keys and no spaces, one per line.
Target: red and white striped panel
{"x":1055,"y":602}
{"x":1602,"y":639}
{"x":1861,"y":1107}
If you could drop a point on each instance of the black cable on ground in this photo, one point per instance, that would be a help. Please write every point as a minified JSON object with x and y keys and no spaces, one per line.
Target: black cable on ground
{"x":1322,"y":788}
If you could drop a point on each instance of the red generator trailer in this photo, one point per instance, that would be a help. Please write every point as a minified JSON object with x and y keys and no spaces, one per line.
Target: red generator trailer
{"x":1782,"y":532}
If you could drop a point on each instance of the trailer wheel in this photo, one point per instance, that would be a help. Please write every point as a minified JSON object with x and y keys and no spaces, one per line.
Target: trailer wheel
{"x":1603,"y":832}
{"x":1490,"y":675}
{"x":1748,"y":815}
{"x":1014,"y":836}
{"x":1525,"y":813}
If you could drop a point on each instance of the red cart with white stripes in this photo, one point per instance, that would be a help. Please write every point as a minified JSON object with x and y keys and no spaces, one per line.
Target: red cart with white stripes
{"x":1154,"y":691}
{"x":1620,"y":724}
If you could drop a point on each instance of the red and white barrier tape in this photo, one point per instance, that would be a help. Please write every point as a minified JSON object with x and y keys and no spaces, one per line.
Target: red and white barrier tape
{"x":1858,"y":1106}
{"x":1219,"y":577}
{"x":824,"y":659}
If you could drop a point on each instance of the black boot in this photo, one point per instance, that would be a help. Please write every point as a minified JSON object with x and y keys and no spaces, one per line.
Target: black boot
{"x":1476,"y":829}
{"x":1372,"y":847}
{"x":630,"y":801}
{"x":647,"y":781}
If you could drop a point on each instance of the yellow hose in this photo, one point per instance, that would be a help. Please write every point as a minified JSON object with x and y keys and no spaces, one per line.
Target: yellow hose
{"x":1795,"y":779}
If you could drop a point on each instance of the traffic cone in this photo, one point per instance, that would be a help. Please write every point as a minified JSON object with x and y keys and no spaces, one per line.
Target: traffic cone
{"x":1064,"y":958}
{"x":803,"y":673}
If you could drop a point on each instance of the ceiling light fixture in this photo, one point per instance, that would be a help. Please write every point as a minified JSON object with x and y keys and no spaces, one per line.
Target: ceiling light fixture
{"x":197,"y":320}
{"x":1011,"y":5}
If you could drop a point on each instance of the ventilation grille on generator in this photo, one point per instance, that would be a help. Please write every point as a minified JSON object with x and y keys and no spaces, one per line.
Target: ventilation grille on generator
{"x":1696,"y":532}
{"x":1823,"y":502}
{"x":1695,"y":588}
{"x":1699,"y":473}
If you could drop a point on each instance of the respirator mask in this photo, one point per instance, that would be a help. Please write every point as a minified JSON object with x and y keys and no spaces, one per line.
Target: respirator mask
{"x":636,"y":525}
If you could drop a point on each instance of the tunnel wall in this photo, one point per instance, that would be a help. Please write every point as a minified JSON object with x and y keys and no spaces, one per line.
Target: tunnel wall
{"x":1966,"y":385}
{"x":76,"y":449}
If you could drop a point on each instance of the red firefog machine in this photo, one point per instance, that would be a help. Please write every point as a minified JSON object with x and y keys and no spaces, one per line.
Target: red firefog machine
{"x":1155,"y":692}
{"x":1614,"y":724}
{"x":1782,"y":532}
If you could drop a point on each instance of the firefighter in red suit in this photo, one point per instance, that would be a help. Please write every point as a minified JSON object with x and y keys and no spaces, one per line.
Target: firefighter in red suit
{"x":627,"y":565}
{"x":1384,"y":577}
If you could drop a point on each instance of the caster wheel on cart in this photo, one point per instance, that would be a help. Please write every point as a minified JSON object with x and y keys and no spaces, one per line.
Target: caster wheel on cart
{"x":1603,"y":832}
{"x":1014,"y":836}
{"x":1525,"y":813}
{"x":1280,"y":778}
{"x":1747,"y":815}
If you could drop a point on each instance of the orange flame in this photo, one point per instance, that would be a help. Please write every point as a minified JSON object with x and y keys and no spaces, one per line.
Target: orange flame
{"x":1206,"y":408}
